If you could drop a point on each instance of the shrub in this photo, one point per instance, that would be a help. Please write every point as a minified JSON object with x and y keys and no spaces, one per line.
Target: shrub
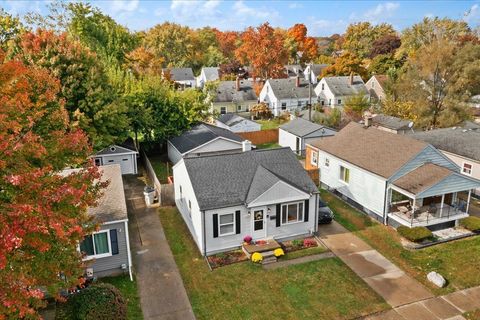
{"x":257,"y":257}
{"x":278,"y":252}
{"x":297,"y":243}
{"x":415,"y":234}
{"x":99,"y":301}
{"x":471,"y":223}
{"x":309,"y":242}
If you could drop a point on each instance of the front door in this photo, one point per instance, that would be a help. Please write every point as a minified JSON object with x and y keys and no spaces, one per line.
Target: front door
{"x":258,"y":224}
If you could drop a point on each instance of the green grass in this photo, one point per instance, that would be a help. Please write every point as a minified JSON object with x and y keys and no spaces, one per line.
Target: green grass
{"x":323,"y":289}
{"x":474,"y":315}
{"x":304,"y":253}
{"x":269,"y":145}
{"x":129,"y":291}
{"x":272,"y":123}
{"x":457,"y":260}
{"x":162,"y":167}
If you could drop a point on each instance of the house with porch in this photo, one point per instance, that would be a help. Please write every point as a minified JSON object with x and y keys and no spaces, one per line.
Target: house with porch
{"x":265,"y":194}
{"x":234,"y":96}
{"x":334,"y":91}
{"x":393,"y":178}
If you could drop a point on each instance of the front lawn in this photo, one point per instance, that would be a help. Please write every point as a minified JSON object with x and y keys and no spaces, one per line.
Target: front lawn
{"x":324,"y":289}
{"x":271,"y":123}
{"x":129,"y":291}
{"x":457,"y":261}
{"x":162,"y":167}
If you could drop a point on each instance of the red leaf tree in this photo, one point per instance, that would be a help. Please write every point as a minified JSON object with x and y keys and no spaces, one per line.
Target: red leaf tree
{"x":42,"y":214}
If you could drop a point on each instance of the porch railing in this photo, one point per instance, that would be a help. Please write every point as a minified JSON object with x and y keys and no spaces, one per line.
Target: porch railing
{"x":431,"y":215}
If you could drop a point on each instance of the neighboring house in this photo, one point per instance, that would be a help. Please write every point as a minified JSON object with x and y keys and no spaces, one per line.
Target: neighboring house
{"x":293,"y":70}
{"x":334,"y":91}
{"x":235,"y":123}
{"x":376,"y":87}
{"x":234,"y":96}
{"x":125,"y":155}
{"x":461,"y":145}
{"x":296,"y":133}
{"x":286,"y":95}
{"x":207,"y":74}
{"x":201,"y":139}
{"x":182,"y":76}
{"x":394,"y":178}
{"x":392,"y":124}
{"x":107,"y":251}
{"x":313,"y":71}
{"x":263,"y":193}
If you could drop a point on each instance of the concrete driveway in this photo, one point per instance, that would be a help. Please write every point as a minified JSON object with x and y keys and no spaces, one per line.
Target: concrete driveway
{"x":160,"y":286}
{"x":396,"y":287}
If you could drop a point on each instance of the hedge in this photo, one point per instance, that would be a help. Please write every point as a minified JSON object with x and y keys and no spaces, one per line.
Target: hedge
{"x":415,"y":234}
{"x":471,"y":223}
{"x":99,"y":301}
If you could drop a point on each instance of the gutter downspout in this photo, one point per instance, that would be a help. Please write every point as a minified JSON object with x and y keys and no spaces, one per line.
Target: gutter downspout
{"x":316,"y":212}
{"x":204,"y":235}
{"x":385,"y":204}
{"x":128,"y":251}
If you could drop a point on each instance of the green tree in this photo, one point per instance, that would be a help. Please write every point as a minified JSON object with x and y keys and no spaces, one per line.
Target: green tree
{"x":359,"y":37}
{"x":355,"y":106}
{"x":382,"y":63}
{"x":10,"y":27}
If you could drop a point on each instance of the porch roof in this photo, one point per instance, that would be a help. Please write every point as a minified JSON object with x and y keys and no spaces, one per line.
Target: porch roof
{"x":430,"y":180}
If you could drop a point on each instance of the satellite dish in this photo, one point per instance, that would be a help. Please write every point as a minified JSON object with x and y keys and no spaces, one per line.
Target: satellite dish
{"x":410,"y":124}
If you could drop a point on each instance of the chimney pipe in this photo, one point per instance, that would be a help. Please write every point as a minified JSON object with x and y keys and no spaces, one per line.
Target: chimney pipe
{"x":246,"y":145}
{"x":367,"y":119}
{"x":297,"y":81}
{"x":351,"y":78}
{"x":237,"y":83}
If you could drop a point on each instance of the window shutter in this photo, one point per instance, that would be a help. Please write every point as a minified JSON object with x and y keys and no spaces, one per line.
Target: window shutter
{"x":215,"y":225}
{"x":279,"y":214}
{"x":114,"y":241}
{"x":305,"y":215}
{"x":237,"y":221}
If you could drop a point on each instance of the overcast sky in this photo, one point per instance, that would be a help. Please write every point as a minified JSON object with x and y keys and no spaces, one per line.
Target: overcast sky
{"x":322,"y":18}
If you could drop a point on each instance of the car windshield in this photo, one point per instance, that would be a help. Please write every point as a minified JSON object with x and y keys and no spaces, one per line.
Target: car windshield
{"x":321,"y":204}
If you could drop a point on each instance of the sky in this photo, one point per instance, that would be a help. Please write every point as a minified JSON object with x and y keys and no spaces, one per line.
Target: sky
{"x":322,"y":18}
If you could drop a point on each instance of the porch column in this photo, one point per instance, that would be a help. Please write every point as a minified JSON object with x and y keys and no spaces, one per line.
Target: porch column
{"x":468,"y":199}
{"x":441,"y":204}
{"x":413,"y":211}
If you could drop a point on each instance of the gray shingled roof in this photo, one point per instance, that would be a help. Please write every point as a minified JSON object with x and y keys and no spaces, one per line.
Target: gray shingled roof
{"x":231,"y":119}
{"x":391,"y":122}
{"x":200,"y":134}
{"x":287,"y":89}
{"x":318,"y":68}
{"x":180,"y":74}
{"x":340,"y":86}
{"x":293,"y":70}
{"x":234,"y":179}
{"x":457,"y":140}
{"x":112,"y":205}
{"x":301,"y":127}
{"x":211,"y":73}
{"x":227,"y":92}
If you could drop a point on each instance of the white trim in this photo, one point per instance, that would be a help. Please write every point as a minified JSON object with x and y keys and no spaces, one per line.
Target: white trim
{"x":208,"y":142}
{"x":402,"y":191}
{"x":286,"y":218}
{"x":102,"y":255}
{"x":225,"y":224}
{"x":129,"y":255}
{"x":460,"y":156}
{"x":276,"y":201}
{"x":264,"y":210}
{"x":313,"y":152}
{"x":112,"y":222}
{"x":340,"y":178}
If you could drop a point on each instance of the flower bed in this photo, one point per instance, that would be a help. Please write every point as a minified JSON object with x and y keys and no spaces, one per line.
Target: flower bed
{"x":226,"y":258}
{"x":298,"y":244}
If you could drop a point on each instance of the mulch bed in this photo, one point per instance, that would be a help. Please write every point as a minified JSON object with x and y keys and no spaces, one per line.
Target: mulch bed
{"x":298,"y":244}
{"x":226,"y":258}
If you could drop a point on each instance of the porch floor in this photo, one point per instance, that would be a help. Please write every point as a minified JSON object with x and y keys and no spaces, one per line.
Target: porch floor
{"x":270,"y":245}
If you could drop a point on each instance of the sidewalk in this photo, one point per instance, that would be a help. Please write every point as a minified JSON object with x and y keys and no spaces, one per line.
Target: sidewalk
{"x":160,"y":286}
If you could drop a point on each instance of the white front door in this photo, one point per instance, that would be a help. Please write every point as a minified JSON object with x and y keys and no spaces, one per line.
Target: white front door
{"x":259,"y":225}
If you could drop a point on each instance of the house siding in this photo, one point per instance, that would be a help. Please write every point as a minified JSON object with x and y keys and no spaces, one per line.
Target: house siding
{"x":218,"y":145}
{"x":112,"y":265}
{"x":173,"y":154}
{"x":459,"y":161}
{"x":287,"y":139}
{"x":231,"y":107}
{"x":243,"y":126}
{"x":450,"y":184}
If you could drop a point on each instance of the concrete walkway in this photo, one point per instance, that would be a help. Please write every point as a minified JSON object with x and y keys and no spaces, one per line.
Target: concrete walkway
{"x":396,"y":287}
{"x":160,"y":286}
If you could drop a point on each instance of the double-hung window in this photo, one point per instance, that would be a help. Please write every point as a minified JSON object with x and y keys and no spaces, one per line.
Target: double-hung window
{"x":467,"y":168}
{"x":226,"y":224}
{"x":339,"y":101}
{"x":327,"y":162}
{"x":292,"y":212}
{"x":314,"y":157}
{"x":344,"y":174}
{"x":284,"y":106}
{"x":97,"y":245}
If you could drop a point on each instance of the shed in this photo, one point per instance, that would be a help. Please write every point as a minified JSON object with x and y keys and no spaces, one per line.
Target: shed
{"x":124,"y":154}
{"x":296,"y":133}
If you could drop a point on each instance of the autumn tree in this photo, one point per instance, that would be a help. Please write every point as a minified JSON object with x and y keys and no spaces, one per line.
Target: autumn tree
{"x":42,"y":214}
{"x":345,"y":65}
{"x":385,"y":45}
{"x":439,"y":81}
{"x":228,"y":41}
{"x":231,"y":70}
{"x":89,"y":99}
{"x":359,"y":37}
{"x":10,"y":27}
{"x":142,"y":61}
{"x":263,"y":49}
{"x":384,"y":62}
{"x":301,"y":48}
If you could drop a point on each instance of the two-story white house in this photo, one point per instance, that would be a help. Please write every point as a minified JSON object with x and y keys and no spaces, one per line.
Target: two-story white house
{"x":265,"y":194}
{"x":334,"y":91}
{"x":393,"y":178}
{"x":287,"y":95}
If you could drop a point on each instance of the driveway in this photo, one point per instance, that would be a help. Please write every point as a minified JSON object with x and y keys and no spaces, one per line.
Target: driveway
{"x":160,"y":286}
{"x":396,"y":287}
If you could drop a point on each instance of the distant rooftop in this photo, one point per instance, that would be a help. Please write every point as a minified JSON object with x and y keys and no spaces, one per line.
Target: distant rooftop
{"x":340,"y":86}
{"x":227,"y":91}
{"x":391,"y":122}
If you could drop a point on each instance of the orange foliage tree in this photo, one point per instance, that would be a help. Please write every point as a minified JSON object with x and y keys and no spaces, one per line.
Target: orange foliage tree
{"x":299,"y":42}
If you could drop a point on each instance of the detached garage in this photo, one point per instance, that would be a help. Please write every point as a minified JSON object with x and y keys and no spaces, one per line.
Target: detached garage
{"x":125,"y":155}
{"x":296,"y":133}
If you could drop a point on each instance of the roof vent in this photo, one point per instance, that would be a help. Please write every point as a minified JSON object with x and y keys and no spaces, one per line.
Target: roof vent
{"x":112,"y":148}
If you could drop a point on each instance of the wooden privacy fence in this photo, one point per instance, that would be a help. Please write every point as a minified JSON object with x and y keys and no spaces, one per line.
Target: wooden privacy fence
{"x":165,"y":192}
{"x":260,"y":137}
{"x":314,"y":175}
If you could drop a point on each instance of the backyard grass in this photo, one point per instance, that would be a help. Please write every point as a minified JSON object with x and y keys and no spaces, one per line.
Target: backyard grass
{"x":457,"y":261}
{"x":129,"y":291}
{"x":268,"y":145}
{"x":324,"y":289}
{"x":162,"y":167}
{"x":271,"y":123}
